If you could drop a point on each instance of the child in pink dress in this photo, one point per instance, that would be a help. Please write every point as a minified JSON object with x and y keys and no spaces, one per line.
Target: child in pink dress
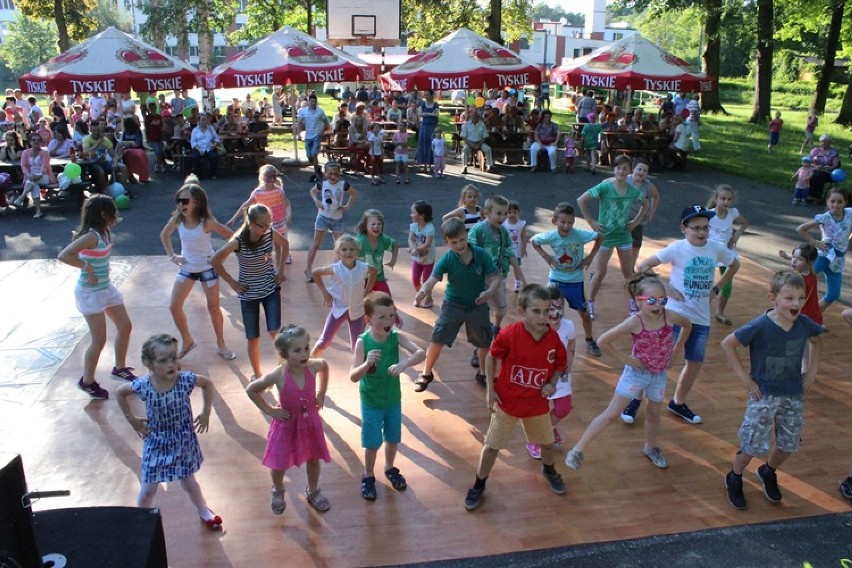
{"x":295,"y":433}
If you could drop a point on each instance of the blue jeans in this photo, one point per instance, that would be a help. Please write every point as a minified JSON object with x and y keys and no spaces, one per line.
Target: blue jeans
{"x":212,"y":158}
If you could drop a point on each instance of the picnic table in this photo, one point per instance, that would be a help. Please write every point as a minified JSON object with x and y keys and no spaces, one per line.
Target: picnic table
{"x":74,"y":194}
{"x":254,"y":154}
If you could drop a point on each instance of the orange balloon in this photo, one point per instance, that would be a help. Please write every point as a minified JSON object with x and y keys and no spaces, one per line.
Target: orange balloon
{"x":480,"y":102}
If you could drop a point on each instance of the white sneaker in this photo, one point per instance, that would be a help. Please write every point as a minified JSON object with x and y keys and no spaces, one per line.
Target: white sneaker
{"x":574,"y":459}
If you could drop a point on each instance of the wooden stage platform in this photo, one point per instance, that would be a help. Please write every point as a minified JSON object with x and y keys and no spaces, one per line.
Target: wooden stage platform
{"x":70,"y":442}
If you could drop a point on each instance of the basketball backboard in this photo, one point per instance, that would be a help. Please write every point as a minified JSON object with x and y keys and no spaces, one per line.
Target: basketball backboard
{"x":353,"y":21}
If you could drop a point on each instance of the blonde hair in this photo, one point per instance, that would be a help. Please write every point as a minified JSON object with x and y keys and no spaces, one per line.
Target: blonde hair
{"x":361,"y":227}
{"x":158,"y":340}
{"x":285,"y":338}
{"x":711,"y":203}
{"x":346,"y":239}
{"x":265,"y":169}
{"x":464,"y":190}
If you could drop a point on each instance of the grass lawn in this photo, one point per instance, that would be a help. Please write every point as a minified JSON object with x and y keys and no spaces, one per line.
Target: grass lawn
{"x":729,"y":143}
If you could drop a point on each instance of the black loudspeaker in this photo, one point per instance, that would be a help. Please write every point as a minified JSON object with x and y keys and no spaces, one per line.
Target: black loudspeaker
{"x":17,"y":537}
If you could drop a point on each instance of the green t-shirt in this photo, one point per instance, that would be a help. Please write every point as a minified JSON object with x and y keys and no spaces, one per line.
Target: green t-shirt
{"x":496,"y":241}
{"x":614,"y":211}
{"x":375,"y":256}
{"x":465,"y":282}
{"x":381,"y":389}
{"x":591,"y":133}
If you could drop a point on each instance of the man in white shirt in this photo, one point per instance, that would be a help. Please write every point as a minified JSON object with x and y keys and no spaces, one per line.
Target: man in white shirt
{"x":22,"y":104}
{"x":97,"y":106}
{"x":203,"y":142}
{"x":474,"y":133}
{"x":313,"y":121}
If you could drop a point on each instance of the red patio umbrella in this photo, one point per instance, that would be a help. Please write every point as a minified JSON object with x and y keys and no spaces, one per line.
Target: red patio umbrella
{"x":110,"y":62}
{"x":633,"y":62}
{"x":463,"y":60}
{"x":288,"y":56}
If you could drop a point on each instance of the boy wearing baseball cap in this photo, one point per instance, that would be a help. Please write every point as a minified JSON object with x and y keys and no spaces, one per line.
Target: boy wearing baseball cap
{"x":690,"y":289}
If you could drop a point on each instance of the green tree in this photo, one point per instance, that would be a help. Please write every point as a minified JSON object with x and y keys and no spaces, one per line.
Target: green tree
{"x":544,"y":11}
{"x":72,"y":17}
{"x":107,"y":14}
{"x":179,"y":18}
{"x":30,"y":43}
{"x":426,"y":21}
{"x":266,"y":16}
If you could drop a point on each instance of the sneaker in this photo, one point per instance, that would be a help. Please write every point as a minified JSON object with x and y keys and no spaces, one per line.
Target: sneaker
{"x":480,"y":378}
{"x":125,"y":373}
{"x":557,"y":439}
{"x":628,"y":415}
{"x":289,"y":259}
{"x":474,"y":361}
{"x":574,"y":459}
{"x":684,"y":412}
{"x":592,"y":348}
{"x":734,"y":485}
{"x":534,"y":451}
{"x":473,"y":498}
{"x":591,"y":307}
{"x":846,"y":488}
{"x":656,"y":457}
{"x":555,"y":482}
{"x":517,"y":286}
{"x":278,"y":505}
{"x":94,"y":390}
{"x":769,"y":480}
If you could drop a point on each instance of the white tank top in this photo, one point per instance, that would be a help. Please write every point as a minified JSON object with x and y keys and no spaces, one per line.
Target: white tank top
{"x":195,"y":247}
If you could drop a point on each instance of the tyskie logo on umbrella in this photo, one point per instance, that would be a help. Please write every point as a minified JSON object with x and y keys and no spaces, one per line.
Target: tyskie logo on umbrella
{"x":617,"y":59}
{"x":304,"y":53}
{"x":141,"y":58}
{"x":490,"y":55}
{"x":64,"y":59}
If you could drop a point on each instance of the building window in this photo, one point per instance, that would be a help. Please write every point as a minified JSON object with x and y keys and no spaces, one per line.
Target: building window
{"x":172,"y":50}
{"x":7,"y":4}
{"x":525,"y":43}
{"x":193,"y":51}
{"x":577,"y":52}
{"x":617,"y":36}
{"x":587,"y":50}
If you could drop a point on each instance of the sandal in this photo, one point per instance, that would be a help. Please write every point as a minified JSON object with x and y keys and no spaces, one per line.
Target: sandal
{"x":308,"y":276}
{"x":317,"y":500}
{"x":368,"y":488}
{"x":723,"y":320}
{"x":278,"y":505}
{"x":226,"y":354}
{"x":396,"y":479}
{"x":185,"y":351}
{"x":422,"y":382}
{"x":427,"y":303}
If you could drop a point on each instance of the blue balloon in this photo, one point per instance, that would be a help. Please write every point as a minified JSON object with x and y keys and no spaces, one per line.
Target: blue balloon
{"x":116,"y":190}
{"x":838,"y":176}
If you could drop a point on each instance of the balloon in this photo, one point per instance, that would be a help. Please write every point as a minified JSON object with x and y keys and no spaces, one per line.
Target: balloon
{"x":471,"y":99}
{"x":513,"y":92}
{"x":116,"y":190}
{"x":480,"y":102}
{"x":122,"y":202}
{"x":838,"y":176}
{"x":72,"y":170}
{"x":64,"y":181}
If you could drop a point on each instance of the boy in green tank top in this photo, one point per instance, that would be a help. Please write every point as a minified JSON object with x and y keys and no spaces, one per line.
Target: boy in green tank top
{"x":377,"y":367}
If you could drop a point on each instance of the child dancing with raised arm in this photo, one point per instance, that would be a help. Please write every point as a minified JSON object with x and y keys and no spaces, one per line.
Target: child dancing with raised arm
{"x":295,"y":433}
{"x":170,"y":450}
{"x":269,"y":192}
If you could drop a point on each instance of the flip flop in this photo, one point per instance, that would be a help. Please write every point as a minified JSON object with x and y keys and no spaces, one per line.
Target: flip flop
{"x":723,"y":320}
{"x":226,"y":354}
{"x":185,"y":351}
{"x":422,"y":382}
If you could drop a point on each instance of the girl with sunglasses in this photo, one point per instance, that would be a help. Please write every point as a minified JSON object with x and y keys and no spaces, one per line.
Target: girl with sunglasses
{"x":195,"y":225}
{"x":645,"y":367}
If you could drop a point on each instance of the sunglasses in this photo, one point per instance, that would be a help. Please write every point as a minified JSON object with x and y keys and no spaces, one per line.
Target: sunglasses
{"x":182,"y":200}
{"x":652,"y":300}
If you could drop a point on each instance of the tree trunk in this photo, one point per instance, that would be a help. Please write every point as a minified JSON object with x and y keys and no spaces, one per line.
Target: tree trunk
{"x":831,"y":42}
{"x":765,"y":47}
{"x":495,"y":22}
{"x":845,"y":116}
{"x":205,"y":39}
{"x":158,"y":39}
{"x":61,"y":26}
{"x":711,"y":57}
{"x":309,"y":8}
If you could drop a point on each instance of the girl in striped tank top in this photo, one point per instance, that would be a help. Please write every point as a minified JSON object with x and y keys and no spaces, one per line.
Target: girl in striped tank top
{"x":97,"y":298}
{"x":468,"y":210}
{"x":269,"y":192}
{"x":259,"y":280}
{"x":195,"y":225}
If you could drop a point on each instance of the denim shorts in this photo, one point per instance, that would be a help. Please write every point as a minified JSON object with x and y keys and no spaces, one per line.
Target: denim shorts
{"x":312,"y":146}
{"x":378,"y":424}
{"x":782,"y":414}
{"x":203,"y":276}
{"x":696,"y":344}
{"x":475,"y":319}
{"x":325,"y":224}
{"x":574,"y":293}
{"x":251,"y":314}
{"x":634,"y":381}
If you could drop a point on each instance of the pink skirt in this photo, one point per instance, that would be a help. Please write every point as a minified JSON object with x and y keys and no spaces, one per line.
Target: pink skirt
{"x":293,"y":442}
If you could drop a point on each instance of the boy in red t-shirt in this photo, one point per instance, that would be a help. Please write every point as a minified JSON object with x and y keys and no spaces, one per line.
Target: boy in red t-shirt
{"x":154,"y":136}
{"x":530,"y":357}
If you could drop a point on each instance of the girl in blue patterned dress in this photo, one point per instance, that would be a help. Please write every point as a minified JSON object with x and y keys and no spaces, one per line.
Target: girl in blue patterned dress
{"x":170,"y":450}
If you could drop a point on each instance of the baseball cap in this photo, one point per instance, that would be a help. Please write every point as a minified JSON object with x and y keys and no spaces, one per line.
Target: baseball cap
{"x":806,"y":159}
{"x":695,"y":211}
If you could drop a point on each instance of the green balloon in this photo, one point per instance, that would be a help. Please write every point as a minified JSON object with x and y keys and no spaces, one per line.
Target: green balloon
{"x":72,"y":170}
{"x":471,"y":100}
{"x":122,"y":202}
